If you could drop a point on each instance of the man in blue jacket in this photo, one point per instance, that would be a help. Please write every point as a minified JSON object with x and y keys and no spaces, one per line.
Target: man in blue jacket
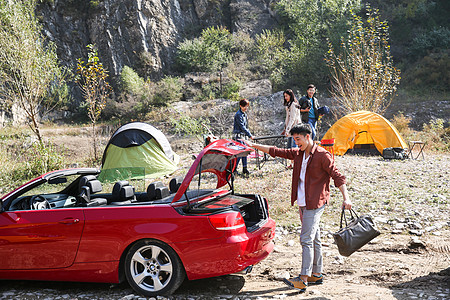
{"x":309,"y":109}
{"x":240,"y":130}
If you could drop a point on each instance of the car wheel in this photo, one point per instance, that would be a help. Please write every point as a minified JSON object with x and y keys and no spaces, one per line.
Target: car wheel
{"x":153,"y":268}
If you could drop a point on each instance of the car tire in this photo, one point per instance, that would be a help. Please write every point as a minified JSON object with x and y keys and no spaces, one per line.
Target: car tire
{"x":153,"y":268}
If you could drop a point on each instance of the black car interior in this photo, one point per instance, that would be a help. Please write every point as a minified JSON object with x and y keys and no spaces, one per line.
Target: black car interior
{"x":87,"y":191}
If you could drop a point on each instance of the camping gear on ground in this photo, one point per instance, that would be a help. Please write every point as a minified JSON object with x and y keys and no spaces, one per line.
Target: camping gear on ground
{"x":420,"y":145}
{"x":395,"y":153}
{"x":364,"y":130}
{"x":356,"y":233}
{"x":138,"y":148}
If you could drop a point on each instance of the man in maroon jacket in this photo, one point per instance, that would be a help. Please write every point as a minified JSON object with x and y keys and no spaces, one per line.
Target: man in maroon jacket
{"x":313,"y":168}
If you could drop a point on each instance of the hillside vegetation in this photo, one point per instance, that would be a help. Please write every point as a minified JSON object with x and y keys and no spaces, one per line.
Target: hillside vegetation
{"x":289,"y":50}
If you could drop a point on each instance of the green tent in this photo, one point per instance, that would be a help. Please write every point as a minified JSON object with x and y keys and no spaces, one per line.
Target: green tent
{"x":136,"y":151}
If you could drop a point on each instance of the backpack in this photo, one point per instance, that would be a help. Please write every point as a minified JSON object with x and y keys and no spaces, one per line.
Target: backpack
{"x":394,"y":153}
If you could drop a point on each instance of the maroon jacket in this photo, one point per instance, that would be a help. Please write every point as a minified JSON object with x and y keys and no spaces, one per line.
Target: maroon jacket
{"x":319,"y":170}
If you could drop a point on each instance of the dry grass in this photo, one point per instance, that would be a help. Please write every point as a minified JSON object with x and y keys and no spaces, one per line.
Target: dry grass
{"x":388,"y":188}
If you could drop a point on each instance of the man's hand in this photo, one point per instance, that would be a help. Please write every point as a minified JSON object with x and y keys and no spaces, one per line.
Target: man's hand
{"x":347,"y":204}
{"x":248,"y":143}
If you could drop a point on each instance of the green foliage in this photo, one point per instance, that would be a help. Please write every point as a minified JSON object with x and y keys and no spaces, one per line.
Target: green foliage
{"x":186,"y":125}
{"x":94,"y":4}
{"x":168,"y":90}
{"x":210,"y":52}
{"x":59,"y":94}
{"x":231,"y":90}
{"x":419,"y":29}
{"x":35,"y":160}
{"x":45,"y":158}
{"x":434,"y":40}
{"x":436,"y":135}
{"x":363,"y":76}
{"x":307,"y":24}
{"x":430,"y":72}
{"x":130,"y":82}
{"x":228,"y":88}
{"x":29,"y":66}
{"x":138,"y":96}
{"x":271,"y":55}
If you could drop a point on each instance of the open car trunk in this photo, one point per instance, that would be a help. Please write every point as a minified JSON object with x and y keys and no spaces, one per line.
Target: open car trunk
{"x":220,"y":159}
{"x":253,"y":208}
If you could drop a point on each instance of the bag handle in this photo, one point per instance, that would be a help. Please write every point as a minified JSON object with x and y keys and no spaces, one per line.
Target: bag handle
{"x":353,"y":216}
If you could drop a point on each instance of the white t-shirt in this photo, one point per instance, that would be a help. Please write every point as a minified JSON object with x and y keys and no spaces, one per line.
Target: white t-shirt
{"x":301,"y":182}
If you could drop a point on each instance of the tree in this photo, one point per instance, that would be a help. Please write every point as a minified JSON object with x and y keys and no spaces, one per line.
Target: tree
{"x":271,"y":54}
{"x":28,"y":63}
{"x":363,"y":76}
{"x":307,"y":24}
{"x":92,"y":81}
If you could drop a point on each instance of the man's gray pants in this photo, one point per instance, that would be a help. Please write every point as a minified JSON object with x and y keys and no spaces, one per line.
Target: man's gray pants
{"x":312,"y":261}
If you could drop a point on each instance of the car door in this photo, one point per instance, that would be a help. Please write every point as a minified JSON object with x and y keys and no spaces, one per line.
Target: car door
{"x":39,"y":239}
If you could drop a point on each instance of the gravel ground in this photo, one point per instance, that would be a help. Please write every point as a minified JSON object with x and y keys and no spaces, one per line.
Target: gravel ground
{"x":410,"y":260}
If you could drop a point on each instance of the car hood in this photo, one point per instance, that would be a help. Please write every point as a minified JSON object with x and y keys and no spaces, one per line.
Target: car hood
{"x":219,"y":158}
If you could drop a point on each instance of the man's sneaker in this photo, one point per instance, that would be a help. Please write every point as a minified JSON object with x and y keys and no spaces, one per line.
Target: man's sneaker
{"x":315,"y":279}
{"x":296,"y":283}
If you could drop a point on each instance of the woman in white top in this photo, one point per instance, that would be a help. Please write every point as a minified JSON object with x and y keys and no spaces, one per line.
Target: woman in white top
{"x":292,"y":115}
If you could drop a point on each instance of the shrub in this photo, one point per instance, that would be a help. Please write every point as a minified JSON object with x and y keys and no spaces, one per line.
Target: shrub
{"x":401,"y":122}
{"x":432,"y":71}
{"x":271,"y":55}
{"x":231,"y":90}
{"x":189,"y":126}
{"x":436,"y":136}
{"x":210,"y":52}
{"x":433,"y":40}
{"x":36,"y":160}
{"x":168,"y":90}
{"x":130,"y":82}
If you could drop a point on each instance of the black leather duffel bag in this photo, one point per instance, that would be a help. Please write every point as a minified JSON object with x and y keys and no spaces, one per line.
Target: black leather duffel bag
{"x":356,"y":233}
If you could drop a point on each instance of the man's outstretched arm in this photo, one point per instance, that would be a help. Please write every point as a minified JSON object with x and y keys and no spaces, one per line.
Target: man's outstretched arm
{"x":263,"y":148}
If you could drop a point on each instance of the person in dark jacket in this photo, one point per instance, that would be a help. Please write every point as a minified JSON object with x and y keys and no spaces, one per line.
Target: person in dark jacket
{"x":309,"y":109}
{"x":241,"y":131}
{"x":313,"y":168}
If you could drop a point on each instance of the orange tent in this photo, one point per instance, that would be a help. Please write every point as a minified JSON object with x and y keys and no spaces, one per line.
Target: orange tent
{"x":364,"y":128}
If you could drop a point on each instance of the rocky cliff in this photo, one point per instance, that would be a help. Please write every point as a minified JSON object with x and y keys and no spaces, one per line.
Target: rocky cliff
{"x":143,"y":34}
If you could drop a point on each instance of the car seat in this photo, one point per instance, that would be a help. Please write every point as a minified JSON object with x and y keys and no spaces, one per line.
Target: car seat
{"x":123,"y":193}
{"x":89,"y":185}
{"x":175,"y":184}
{"x":156,"y":190}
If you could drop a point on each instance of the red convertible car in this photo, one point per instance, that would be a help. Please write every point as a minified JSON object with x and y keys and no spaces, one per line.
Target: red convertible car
{"x":61,"y":226}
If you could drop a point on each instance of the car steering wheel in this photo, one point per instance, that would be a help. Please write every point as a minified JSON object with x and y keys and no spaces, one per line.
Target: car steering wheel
{"x":38,"y":202}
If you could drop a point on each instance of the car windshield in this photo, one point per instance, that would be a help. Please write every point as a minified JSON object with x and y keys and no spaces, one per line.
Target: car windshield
{"x":135,"y":176}
{"x":53,"y":186}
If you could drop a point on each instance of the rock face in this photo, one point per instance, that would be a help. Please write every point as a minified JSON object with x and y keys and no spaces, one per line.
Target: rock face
{"x":142,"y":34}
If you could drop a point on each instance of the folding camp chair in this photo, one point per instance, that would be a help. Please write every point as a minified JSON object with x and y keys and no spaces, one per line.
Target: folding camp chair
{"x":329,"y":145}
{"x":420,"y":145}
